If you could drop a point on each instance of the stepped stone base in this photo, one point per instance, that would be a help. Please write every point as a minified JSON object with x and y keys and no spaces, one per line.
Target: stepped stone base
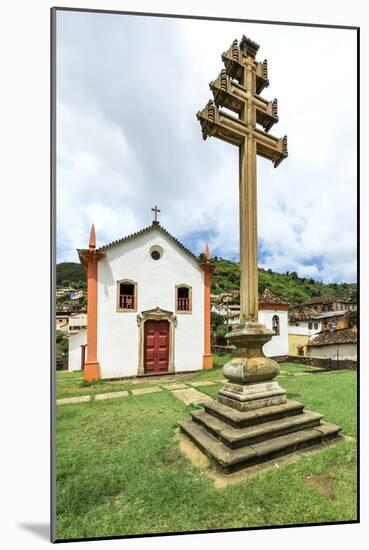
{"x":237,"y":439}
{"x":246,"y":397}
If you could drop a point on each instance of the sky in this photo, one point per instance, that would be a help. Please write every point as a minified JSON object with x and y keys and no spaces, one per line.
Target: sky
{"x":128,"y":90}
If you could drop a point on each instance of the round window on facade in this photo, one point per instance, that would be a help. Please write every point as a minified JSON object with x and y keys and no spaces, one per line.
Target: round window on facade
{"x":156,"y":252}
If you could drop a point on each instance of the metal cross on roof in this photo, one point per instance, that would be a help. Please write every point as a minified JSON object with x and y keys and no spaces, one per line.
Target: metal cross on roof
{"x":156,"y":210}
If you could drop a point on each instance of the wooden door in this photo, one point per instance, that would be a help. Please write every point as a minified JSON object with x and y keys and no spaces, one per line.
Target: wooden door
{"x":156,"y":346}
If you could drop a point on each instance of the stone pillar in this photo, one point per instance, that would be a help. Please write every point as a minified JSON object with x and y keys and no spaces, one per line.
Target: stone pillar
{"x":92,"y":367}
{"x":207,"y":362}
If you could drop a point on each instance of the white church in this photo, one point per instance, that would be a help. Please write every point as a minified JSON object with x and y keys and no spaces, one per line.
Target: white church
{"x":148,"y":307}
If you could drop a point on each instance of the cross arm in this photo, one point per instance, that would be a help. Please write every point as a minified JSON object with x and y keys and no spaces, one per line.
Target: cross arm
{"x":228,"y":93}
{"x":234,"y":60}
{"x":271,"y":147}
{"x":214,"y":122}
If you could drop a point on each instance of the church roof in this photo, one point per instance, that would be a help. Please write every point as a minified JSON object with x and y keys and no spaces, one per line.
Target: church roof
{"x":155,"y":226}
{"x":268,"y":297}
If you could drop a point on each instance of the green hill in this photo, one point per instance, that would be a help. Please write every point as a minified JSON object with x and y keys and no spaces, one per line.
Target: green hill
{"x":288,"y":286}
{"x":69,"y":272}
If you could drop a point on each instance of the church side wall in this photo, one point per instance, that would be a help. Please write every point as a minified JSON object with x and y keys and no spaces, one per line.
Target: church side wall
{"x":118,"y":332}
{"x":74,"y":349}
{"x":278,"y":345}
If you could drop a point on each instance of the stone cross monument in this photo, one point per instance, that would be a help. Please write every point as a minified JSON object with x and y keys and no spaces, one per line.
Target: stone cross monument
{"x":251,"y":420}
{"x":237,"y":88}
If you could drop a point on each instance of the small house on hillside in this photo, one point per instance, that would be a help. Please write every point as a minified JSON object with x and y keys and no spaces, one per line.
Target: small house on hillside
{"x":321,"y":304}
{"x":336,"y":344}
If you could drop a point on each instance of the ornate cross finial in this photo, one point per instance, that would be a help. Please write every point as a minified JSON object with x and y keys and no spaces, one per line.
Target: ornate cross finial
{"x":92,"y":243}
{"x":207,"y":252}
{"x":156,"y":210}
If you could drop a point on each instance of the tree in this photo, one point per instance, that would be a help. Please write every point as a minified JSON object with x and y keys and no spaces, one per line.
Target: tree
{"x":353,"y":318}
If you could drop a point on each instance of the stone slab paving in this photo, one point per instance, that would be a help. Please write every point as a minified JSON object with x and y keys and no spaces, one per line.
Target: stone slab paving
{"x":142,"y":391}
{"x":203,"y":383}
{"x":68,"y":400}
{"x":190,"y":396}
{"x":111,"y":395}
{"x":174,"y":386}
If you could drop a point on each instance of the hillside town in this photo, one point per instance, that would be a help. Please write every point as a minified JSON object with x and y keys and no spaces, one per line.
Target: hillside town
{"x":320,"y":327}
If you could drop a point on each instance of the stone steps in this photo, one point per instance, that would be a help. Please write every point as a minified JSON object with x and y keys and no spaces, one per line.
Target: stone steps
{"x":240,"y":437}
{"x":243,"y":419}
{"x":233,"y":459}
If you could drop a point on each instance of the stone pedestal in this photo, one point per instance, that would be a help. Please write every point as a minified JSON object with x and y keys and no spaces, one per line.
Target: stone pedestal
{"x":250,"y":372}
{"x":252,"y":421}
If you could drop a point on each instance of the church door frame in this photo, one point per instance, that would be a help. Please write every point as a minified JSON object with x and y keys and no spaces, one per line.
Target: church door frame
{"x":156,"y":314}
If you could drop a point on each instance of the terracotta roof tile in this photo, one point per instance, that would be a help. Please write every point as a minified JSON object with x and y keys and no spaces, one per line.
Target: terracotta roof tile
{"x":149,"y":229}
{"x":328,"y":337}
{"x":267,"y":297}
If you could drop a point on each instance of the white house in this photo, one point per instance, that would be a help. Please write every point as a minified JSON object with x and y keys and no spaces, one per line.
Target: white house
{"x":273,"y":313}
{"x":148,"y":306}
{"x":77,"y":322}
{"x":77,"y":343}
{"x":305,"y":327}
{"x":334,"y":344}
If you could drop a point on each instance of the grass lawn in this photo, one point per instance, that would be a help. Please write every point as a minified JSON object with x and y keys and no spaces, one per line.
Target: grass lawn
{"x":120,"y":470}
{"x":69,"y":384}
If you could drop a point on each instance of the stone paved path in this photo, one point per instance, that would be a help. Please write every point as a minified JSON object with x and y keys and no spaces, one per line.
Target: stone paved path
{"x":203,"y":383}
{"x":142,"y":391}
{"x":174,"y":386}
{"x":190,"y":396}
{"x":111,"y":395}
{"x":68,"y":400}
{"x":186,"y":394}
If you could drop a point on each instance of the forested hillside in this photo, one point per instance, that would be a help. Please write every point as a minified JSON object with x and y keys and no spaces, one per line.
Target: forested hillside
{"x":226,"y":276}
{"x":288,"y":286}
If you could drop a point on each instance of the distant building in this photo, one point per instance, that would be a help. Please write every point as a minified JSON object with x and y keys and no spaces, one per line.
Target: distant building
{"x":333,"y":320}
{"x":336,"y":344}
{"x":77,"y":322}
{"x":62,"y":321}
{"x":299,"y":332}
{"x":301,"y":329}
{"x":321,"y":304}
{"x":77,"y":349}
{"x":273,"y":313}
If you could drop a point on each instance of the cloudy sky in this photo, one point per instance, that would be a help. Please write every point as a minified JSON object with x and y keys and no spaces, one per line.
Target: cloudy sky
{"x":128,"y":89}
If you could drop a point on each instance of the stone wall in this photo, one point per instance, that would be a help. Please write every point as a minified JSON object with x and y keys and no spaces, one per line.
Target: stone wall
{"x":327,"y":364}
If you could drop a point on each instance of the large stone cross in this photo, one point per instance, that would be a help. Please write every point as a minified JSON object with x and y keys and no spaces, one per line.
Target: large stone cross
{"x":237,"y":88}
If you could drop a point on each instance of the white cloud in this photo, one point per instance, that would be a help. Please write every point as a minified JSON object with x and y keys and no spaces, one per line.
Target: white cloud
{"x":128,"y":138}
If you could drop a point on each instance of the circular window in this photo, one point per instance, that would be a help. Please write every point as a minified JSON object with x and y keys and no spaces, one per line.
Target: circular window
{"x":156,"y":252}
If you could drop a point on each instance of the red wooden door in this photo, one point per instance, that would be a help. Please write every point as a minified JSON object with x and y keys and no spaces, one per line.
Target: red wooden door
{"x":156,"y":346}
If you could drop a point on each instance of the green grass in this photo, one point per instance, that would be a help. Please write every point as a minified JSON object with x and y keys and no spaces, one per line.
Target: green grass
{"x":69,"y":384}
{"x":120,"y":470}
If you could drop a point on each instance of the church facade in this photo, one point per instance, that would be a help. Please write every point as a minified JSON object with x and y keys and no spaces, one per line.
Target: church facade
{"x":148,"y":306}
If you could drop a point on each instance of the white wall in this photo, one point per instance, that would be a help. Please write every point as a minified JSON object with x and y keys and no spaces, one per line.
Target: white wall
{"x":118,"y":333}
{"x":345,"y":351}
{"x":278,"y":345}
{"x":74,"y":349}
{"x":303,"y":328}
